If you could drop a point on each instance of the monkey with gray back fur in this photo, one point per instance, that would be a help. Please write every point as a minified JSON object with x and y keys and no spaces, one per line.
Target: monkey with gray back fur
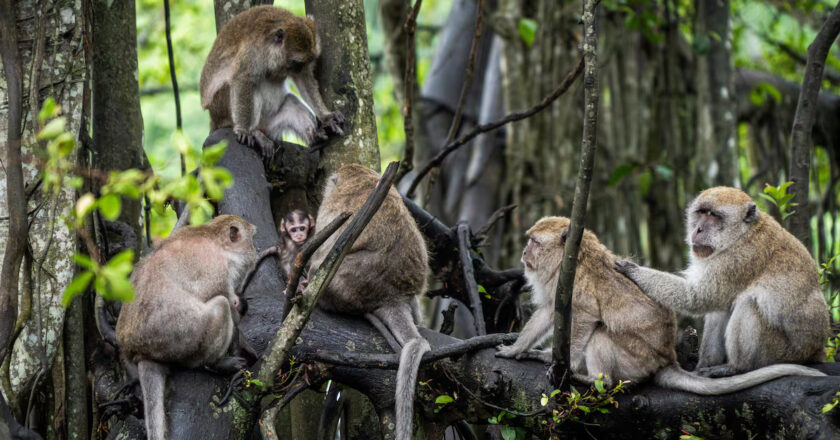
{"x":381,"y":276}
{"x":295,"y":228}
{"x":185,"y":312}
{"x":617,"y":330}
{"x":755,"y":283}
{"x":243,"y":79}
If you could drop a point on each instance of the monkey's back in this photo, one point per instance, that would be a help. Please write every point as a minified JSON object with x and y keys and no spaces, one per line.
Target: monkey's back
{"x":644,"y":330}
{"x":387,"y":263}
{"x":166,"y":300}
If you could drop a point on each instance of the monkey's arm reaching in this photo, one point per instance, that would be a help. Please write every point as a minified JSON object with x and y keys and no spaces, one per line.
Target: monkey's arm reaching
{"x":330,"y":123}
{"x":670,"y":290}
{"x":535,"y":331}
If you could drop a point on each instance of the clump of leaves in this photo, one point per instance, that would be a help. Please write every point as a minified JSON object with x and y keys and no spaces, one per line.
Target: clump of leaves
{"x":830,"y":405}
{"x":574,"y":405}
{"x":825,"y":274}
{"x":779,"y":196}
{"x":58,"y":172}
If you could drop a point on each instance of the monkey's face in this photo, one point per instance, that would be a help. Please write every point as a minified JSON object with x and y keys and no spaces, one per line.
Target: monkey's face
{"x":717,"y":219}
{"x":546,"y":243}
{"x":298,"y":230}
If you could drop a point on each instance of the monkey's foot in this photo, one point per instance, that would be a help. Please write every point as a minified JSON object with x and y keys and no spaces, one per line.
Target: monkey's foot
{"x":717,"y":371}
{"x":229,"y":365}
{"x":330,"y":125}
{"x":256,"y":139}
{"x":508,"y":351}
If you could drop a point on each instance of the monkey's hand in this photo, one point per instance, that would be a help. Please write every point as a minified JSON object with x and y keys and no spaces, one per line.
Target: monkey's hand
{"x":508,"y":351}
{"x":626,"y":268}
{"x":330,"y":125}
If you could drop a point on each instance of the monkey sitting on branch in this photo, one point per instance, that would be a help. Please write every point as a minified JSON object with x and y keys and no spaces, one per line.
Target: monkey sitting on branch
{"x":243,"y":80}
{"x":381,"y":275}
{"x":755,"y":282}
{"x":295,"y":228}
{"x":185,"y":312}
{"x":617,"y":330}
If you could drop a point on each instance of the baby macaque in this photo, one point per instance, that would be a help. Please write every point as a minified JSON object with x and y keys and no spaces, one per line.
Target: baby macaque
{"x":617,"y":330}
{"x":295,"y":228}
{"x":185,"y":312}
{"x":243,"y":80}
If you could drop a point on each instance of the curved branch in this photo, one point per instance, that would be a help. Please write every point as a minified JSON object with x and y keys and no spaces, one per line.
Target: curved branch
{"x":513,"y":117}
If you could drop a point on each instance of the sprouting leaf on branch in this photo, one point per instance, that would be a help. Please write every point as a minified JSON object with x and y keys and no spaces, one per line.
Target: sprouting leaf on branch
{"x":527,"y":30}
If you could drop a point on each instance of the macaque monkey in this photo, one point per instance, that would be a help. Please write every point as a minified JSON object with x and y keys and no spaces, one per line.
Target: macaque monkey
{"x":617,"y":330}
{"x":295,"y":228}
{"x":755,"y":282}
{"x":381,"y":275}
{"x":243,"y":80}
{"x":185,"y":312}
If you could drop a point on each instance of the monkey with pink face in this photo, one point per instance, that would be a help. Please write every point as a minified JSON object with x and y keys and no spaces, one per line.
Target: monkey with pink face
{"x":295,"y":228}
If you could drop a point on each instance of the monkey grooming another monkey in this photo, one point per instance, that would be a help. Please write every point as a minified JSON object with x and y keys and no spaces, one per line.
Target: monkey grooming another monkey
{"x":616,"y":329}
{"x":295,"y":228}
{"x":185,"y":310}
{"x":755,"y":282}
{"x":381,"y":276}
{"x":243,"y":79}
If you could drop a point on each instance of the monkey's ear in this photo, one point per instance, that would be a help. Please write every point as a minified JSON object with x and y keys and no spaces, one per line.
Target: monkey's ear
{"x":279,"y":35}
{"x":752,"y":213}
{"x":235,"y":234}
{"x":283,"y":226}
{"x":311,"y":223}
{"x":564,"y":235}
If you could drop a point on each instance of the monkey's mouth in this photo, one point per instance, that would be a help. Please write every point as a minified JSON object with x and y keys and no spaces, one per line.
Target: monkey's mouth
{"x":702,"y":251}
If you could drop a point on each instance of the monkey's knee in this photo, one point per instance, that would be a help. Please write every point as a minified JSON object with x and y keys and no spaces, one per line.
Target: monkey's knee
{"x":213,"y":331}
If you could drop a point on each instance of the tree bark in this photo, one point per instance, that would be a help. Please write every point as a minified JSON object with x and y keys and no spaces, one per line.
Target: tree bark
{"x":799,"y":223}
{"x":117,"y":120}
{"x":343,"y":74}
{"x":565,"y":285}
{"x":717,"y":149}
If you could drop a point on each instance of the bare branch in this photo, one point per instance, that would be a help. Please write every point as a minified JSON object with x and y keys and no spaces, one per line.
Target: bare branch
{"x":565,"y":286}
{"x":512,"y":117}
{"x":288,"y":332}
{"x":407,"y":164}
{"x":470,"y":285}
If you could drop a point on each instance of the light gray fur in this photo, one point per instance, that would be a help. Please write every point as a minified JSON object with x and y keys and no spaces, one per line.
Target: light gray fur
{"x":153,"y":383}
{"x":757,"y":287}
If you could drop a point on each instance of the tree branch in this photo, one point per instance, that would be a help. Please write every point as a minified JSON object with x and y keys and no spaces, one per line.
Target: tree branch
{"x":512,"y":117}
{"x":464,"y":249}
{"x":171,"y":55}
{"x":288,"y":332}
{"x":803,"y":122}
{"x":565,"y":286}
{"x":410,"y":26}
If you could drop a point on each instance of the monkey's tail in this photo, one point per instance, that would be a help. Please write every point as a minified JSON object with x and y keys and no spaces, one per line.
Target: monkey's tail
{"x":153,"y":383}
{"x":676,"y":378}
{"x":410,"y":356}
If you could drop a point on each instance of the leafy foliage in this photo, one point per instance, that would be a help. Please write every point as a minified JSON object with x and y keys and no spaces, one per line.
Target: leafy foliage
{"x":779,"y":196}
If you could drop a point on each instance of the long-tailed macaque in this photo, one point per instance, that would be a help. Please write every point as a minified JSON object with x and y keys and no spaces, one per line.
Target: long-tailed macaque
{"x":381,"y":275}
{"x":295,"y":228}
{"x":617,"y":330}
{"x":243,"y":80}
{"x":755,"y":283}
{"x":185,"y":312}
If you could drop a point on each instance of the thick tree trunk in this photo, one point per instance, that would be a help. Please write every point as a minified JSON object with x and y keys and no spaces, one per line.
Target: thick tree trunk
{"x":343,"y":73}
{"x":51,"y":53}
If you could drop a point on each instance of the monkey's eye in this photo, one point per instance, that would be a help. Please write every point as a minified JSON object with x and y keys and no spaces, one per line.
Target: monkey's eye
{"x":278,"y":36}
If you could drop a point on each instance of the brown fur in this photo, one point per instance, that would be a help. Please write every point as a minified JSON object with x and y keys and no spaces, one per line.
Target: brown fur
{"x":184,"y":312}
{"x":616,"y":329}
{"x":381,"y":275}
{"x":245,"y":71}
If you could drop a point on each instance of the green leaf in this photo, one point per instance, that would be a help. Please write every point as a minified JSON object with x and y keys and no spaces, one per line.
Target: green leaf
{"x":257,"y":382}
{"x":645,"y":181}
{"x":829,"y":406}
{"x":83,"y":261}
{"x":210,"y":155}
{"x":508,"y":433}
{"x":123,"y":261}
{"x":664,"y":172}
{"x":620,"y":173}
{"x":585,"y":409}
{"x":52,"y":129}
{"x":444,"y":399}
{"x":76,"y":287}
{"x":110,"y":206}
{"x":544,"y":400}
{"x":47,"y":110}
{"x":599,"y":385}
{"x":527,"y":30}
